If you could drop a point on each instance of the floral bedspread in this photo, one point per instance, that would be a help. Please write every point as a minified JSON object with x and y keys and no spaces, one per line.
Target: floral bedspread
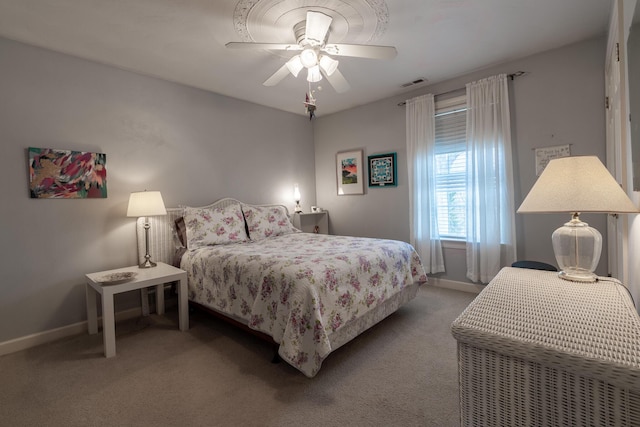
{"x":299,"y":288}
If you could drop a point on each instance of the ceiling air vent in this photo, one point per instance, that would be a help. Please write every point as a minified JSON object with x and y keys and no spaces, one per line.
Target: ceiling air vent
{"x":415,"y":82}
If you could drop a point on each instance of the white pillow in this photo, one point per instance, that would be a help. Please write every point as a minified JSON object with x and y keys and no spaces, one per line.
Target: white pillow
{"x":264,"y":222}
{"x":209,"y":226}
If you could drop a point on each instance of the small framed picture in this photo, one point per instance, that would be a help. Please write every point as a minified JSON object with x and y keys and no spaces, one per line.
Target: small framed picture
{"x":382,"y":170}
{"x":349,"y":172}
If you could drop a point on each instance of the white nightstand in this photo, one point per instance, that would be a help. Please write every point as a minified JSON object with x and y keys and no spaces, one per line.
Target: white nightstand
{"x":312,"y":222}
{"x":155,"y":276}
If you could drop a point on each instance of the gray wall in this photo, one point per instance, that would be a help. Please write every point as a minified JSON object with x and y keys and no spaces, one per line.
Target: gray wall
{"x":193,"y":146}
{"x":560,"y":101}
{"x":196,"y":147}
{"x":633,"y":64}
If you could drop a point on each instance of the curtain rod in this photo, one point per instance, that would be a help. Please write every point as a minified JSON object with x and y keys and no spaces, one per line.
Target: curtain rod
{"x":510,"y":76}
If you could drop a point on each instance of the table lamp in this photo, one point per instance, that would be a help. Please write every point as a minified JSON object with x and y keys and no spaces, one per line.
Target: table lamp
{"x":296,"y":197}
{"x":576,"y":185}
{"x":146,"y":204}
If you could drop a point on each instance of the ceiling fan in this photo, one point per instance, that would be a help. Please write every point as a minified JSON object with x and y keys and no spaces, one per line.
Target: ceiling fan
{"x":311,"y":42}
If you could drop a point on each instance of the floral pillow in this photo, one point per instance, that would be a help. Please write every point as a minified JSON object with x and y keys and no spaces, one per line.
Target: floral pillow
{"x":264,"y":222}
{"x":209,"y":226}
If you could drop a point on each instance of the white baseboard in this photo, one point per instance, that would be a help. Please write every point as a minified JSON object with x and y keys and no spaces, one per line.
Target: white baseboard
{"x":455,"y":285}
{"x":44,"y":337}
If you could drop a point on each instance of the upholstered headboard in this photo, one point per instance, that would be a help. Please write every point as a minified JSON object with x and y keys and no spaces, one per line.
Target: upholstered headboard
{"x":163,"y":240}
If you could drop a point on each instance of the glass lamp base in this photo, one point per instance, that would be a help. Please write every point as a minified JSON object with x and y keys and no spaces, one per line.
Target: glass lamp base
{"x":573,"y":276}
{"x":577,"y":248}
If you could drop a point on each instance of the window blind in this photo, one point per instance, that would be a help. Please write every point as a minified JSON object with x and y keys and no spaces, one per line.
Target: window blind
{"x":451,"y":168}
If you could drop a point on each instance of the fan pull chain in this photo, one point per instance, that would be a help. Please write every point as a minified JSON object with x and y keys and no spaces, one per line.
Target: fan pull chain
{"x":310,"y":103}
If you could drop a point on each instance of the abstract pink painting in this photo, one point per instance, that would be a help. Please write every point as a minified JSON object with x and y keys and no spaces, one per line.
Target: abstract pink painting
{"x":65,"y":174}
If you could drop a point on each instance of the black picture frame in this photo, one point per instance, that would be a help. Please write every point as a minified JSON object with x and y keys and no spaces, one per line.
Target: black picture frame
{"x":382,"y":170}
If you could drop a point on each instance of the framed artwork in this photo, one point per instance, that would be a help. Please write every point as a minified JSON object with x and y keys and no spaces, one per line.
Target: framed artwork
{"x":546,"y":154}
{"x":382,"y":170}
{"x":349,"y":172}
{"x":65,"y":174}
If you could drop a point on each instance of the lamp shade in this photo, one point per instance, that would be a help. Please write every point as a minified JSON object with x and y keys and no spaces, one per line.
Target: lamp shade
{"x":576,"y":184}
{"x":146,"y":203}
{"x":328,"y":64}
{"x":296,"y":192}
{"x":309,"y":58}
{"x":295,"y":65}
{"x":314,"y":75}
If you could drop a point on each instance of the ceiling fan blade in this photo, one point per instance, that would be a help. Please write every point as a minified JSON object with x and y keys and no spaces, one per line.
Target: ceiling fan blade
{"x":277,"y":76}
{"x":361,"y":51}
{"x":337,"y":80}
{"x":316,"y":28}
{"x":267,"y":46}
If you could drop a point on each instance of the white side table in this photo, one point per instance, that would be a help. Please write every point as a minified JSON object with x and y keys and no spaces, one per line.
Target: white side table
{"x":312,"y":222}
{"x":155,"y":276}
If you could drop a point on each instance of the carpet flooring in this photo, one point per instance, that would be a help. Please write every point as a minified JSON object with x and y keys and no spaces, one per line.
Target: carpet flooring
{"x":401,"y":372}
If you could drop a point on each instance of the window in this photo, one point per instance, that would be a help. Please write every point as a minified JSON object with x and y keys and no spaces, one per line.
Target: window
{"x":451,"y":167}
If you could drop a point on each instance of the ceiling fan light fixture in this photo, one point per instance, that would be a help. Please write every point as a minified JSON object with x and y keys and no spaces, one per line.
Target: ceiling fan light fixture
{"x":295,"y":65}
{"x":314,"y":75}
{"x":309,"y":58}
{"x":316,"y":55}
{"x":328,"y":64}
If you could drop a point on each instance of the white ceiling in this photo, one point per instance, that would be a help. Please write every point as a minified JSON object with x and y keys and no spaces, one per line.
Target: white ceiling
{"x":183,"y":40}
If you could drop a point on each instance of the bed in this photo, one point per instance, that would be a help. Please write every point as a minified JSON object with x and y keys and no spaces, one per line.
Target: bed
{"x":307,"y":293}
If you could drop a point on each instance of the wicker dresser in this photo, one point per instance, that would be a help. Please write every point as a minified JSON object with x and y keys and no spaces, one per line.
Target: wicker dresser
{"x":536,"y":350}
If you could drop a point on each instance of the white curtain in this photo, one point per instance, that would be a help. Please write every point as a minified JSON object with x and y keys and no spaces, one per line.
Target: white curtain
{"x":423,"y":218}
{"x":490,"y":206}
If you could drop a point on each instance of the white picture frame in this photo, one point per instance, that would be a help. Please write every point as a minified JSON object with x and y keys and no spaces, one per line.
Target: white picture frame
{"x":349,"y":172}
{"x":545,"y":154}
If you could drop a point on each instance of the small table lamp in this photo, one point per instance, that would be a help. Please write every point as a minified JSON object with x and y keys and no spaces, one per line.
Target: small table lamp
{"x":574,"y":185}
{"x":146,"y":204}
{"x":296,"y":197}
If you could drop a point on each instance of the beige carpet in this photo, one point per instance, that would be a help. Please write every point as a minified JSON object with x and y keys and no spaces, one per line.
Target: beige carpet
{"x":402,"y":372}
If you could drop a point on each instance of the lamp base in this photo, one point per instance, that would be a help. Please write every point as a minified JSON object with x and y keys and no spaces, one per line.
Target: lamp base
{"x":577,"y":248}
{"x":147,"y":264}
{"x":573,"y":276}
{"x":147,"y":258}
